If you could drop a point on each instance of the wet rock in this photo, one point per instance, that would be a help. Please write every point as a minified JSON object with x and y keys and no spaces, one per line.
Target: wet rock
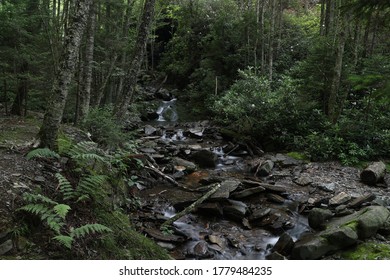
{"x":39,"y":179}
{"x":148,"y":150}
{"x":226,"y":188}
{"x":284,"y":245}
{"x":247,"y":192}
{"x":149,"y":130}
{"x":189,"y":166}
{"x":268,"y":187}
{"x":341,"y":198}
{"x":205,"y":159}
{"x":217,"y":240}
{"x":371,"y":220}
{"x":5,"y":247}
{"x":285,"y":161}
{"x":201,"y":250}
{"x":165,"y":245}
{"x":311,"y":247}
{"x":357,"y":202}
{"x":265,"y":168}
{"x":196,"y":132}
{"x":178,"y":175}
{"x":303,"y":180}
{"x":156,"y":234}
{"x":210,"y":209}
{"x":259,"y":214}
{"x":235,"y":210}
{"x":341,"y":237}
{"x":275,"y":256}
{"x":318,"y":217}
{"x":327,"y":187}
{"x":275,"y":198}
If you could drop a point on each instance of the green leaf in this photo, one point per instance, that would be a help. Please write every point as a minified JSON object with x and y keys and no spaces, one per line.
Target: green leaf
{"x":61,"y":210}
{"x":64,"y":240}
{"x":42,"y":153}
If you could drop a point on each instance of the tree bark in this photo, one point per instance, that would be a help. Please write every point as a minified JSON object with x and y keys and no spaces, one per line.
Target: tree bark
{"x":374,"y":173}
{"x":85,"y":87}
{"x":139,"y":51}
{"x":56,"y":104}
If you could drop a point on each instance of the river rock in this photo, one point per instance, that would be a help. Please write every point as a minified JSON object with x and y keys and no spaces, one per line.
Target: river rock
{"x":190,"y":166}
{"x":265,"y":168}
{"x":327,"y":187}
{"x":217,"y":240}
{"x":226,"y":188}
{"x":340,"y":198}
{"x":205,"y":159}
{"x":5,"y":247}
{"x":284,"y":245}
{"x":275,"y":198}
{"x":210,"y":209}
{"x":357,"y":202}
{"x":318,"y":217}
{"x":303,"y":180}
{"x":259,"y":214}
{"x":342,"y":232}
{"x":235,"y":210}
{"x":201,"y":250}
{"x":275,"y":256}
{"x":247,"y":192}
{"x":149,"y":130}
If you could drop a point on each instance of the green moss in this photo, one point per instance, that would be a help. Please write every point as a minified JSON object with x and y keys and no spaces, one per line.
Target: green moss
{"x":298,"y":156}
{"x":126,"y":243}
{"x":352,"y":224}
{"x":368,"y":251}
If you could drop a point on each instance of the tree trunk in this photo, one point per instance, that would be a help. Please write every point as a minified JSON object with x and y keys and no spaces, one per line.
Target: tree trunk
{"x":56,"y":104}
{"x":139,"y":50}
{"x":85,"y":87}
{"x":271,"y":39}
{"x":374,"y":173}
{"x":21,"y":94}
{"x":335,"y":86}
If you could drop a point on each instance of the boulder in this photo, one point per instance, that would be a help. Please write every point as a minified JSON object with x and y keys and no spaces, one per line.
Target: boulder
{"x":284,"y":245}
{"x":340,"y":198}
{"x":235,"y":210}
{"x":318,"y":217}
{"x":205,"y":159}
{"x":226,"y":188}
{"x":311,"y":247}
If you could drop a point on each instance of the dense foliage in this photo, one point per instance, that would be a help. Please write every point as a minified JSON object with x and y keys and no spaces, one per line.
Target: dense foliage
{"x":302,"y":75}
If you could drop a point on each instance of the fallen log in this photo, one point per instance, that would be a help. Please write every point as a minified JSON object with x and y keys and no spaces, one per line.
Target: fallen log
{"x":374,"y":173}
{"x":168,"y":223}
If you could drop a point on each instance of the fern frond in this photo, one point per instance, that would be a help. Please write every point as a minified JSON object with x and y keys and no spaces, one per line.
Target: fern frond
{"x":37,"y":209}
{"x":87,"y":151}
{"x":42,"y":153}
{"x":55,"y":223}
{"x":64,"y":240}
{"x":89,"y":185}
{"x":33,"y":198}
{"x":65,"y":187}
{"x":61,"y":210}
{"x":89,"y":229}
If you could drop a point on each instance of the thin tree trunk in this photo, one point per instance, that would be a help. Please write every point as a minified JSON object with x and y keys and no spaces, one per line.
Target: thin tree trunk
{"x":143,"y":31}
{"x":335,"y":86}
{"x":102,"y":88}
{"x":85,"y":87}
{"x":21,"y":94}
{"x":5,"y":95}
{"x":271,"y":40}
{"x":56,"y":104}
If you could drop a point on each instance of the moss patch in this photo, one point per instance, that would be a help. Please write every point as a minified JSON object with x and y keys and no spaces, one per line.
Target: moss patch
{"x":298,"y":156}
{"x":368,"y":251}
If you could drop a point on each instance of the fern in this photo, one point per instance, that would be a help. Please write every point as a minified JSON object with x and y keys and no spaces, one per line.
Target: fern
{"x":61,"y":210}
{"x":40,"y":210}
{"x":87,"y":151}
{"x":42,"y":153}
{"x":89,"y":229}
{"x":90,"y":185}
{"x":65,"y":187}
{"x":33,"y":198}
{"x":64,"y":240}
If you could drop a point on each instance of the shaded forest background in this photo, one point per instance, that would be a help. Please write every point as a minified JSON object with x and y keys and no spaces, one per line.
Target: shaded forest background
{"x":303,"y":75}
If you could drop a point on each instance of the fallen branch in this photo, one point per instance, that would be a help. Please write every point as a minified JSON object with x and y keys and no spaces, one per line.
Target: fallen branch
{"x":168,"y":178}
{"x":190,"y":208}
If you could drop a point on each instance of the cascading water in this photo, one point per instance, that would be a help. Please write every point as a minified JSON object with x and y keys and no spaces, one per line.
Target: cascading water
{"x":167,"y":111}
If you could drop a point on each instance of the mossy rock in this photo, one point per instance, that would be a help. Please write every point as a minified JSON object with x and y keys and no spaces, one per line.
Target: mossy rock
{"x":298,"y":156}
{"x":124,"y":242}
{"x":368,"y":251}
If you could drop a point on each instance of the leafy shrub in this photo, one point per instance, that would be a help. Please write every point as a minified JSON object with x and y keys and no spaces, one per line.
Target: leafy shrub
{"x":103,"y":127}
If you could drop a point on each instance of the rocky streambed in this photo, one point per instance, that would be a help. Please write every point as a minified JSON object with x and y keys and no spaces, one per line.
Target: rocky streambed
{"x":269,"y":206}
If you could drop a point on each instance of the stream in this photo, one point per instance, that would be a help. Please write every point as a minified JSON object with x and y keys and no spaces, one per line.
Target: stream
{"x":261,"y":209}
